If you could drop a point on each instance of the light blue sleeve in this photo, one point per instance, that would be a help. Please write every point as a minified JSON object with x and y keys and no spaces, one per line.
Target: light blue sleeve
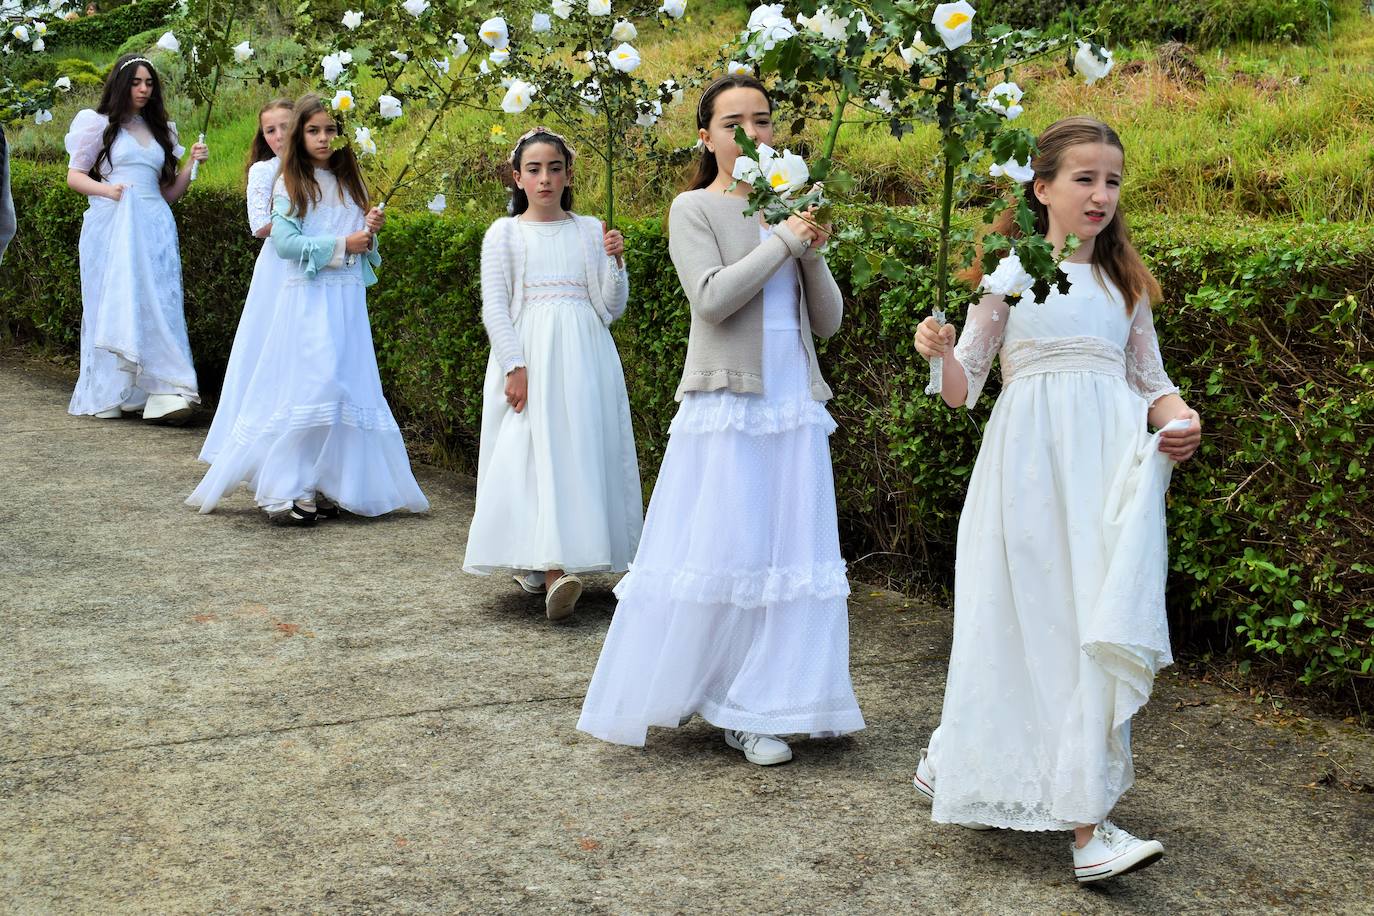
{"x":312,"y":253}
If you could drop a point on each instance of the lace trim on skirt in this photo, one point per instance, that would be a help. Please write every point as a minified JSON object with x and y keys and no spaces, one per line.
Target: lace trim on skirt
{"x":741,"y":588}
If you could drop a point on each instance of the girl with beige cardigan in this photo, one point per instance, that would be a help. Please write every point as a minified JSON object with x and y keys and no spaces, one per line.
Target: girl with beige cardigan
{"x":735,"y":606}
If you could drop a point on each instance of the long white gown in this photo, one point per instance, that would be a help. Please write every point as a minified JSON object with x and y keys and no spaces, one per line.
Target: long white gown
{"x":557,"y":483}
{"x":313,"y":420}
{"x":269,"y":276}
{"x":1059,"y":620}
{"x":736,"y":606}
{"x":133,"y":327}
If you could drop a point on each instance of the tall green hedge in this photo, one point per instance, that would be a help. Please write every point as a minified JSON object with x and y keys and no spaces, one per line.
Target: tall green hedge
{"x":107,"y":31}
{"x":1267,"y":328}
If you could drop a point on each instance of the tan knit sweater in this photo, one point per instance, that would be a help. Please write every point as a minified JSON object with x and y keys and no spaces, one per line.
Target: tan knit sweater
{"x":723,"y":267}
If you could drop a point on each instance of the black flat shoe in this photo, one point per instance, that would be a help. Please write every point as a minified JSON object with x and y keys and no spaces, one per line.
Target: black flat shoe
{"x":325,"y":510}
{"x":297,"y":517}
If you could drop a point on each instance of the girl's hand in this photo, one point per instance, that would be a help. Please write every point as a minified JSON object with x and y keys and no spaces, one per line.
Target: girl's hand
{"x":935,"y":340}
{"x":358,"y":242}
{"x":375,"y":220}
{"x":803,"y":226}
{"x":1180,"y":444}
{"x":517,"y":388}
{"x":614,"y":243}
{"x":199,"y":152}
{"x":115,"y":192}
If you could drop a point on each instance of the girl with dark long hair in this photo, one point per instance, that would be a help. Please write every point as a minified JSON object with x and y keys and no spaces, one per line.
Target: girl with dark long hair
{"x":135,"y":355}
{"x":1059,"y":622}
{"x":313,"y":433}
{"x":557,"y":479}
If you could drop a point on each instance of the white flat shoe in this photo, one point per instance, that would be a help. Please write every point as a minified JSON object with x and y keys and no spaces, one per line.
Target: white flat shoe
{"x":114,"y":413}
{"x":562,"y":598}
{"x":167,"y":408}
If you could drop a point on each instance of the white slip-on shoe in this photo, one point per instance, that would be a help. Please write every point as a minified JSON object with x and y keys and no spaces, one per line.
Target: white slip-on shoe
{"x":531,"y":582}
{"x":562,"y":598}
{"x":167,"y":408}
{"x":764,"y":750}
{"x":1111,"y":852}
{"x":924,"y":781}
{"x":114,"y":413}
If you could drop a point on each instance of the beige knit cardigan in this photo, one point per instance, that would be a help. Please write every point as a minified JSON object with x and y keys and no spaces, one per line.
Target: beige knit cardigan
{"x":723,"y":267}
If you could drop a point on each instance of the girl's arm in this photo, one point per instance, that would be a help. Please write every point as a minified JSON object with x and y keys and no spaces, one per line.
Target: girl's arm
{"x":260,"y":179}
{"x":496,"y":298}
{"x":82,"y":183}
{"x":1146,"y":376}
{"x":312,"y":253}
{"x":615,"y":282}
{"x":824,"y":304}
{"x":83,"y":142}
{"x":966,"y":366}
{"x":174,"y":191}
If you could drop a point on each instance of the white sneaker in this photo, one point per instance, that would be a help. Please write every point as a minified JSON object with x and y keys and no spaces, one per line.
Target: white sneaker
{"x":531,"y":582}
{"x":562,"y":598}
{"x":1111,"y":852}
{"x":764,"y":750}
{"x":167,"y":408}
{"x":924,"y":781}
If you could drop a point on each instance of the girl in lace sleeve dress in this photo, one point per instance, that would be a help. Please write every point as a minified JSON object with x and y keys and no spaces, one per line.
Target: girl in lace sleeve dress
{"x":1059,"y":621}
{"x":314,"y":432}
{"x":736,"y":605}
{"x":264,"y":164}
{"x":557,"y":478}
{"x":135,"y":355}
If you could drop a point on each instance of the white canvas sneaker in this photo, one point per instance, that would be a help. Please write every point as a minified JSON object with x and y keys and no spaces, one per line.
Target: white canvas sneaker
{"x":1111,"y":852}
{"x":924,"y":781}
{"x":764,"y":750}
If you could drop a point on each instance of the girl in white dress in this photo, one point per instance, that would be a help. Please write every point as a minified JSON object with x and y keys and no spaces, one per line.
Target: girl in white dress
{"x":313,"y":431}
{"x":736,"y":608}
{"x":557,"y":478}
{"x":269,"y":273}
{"x":135,"y":355}
{"x":1059,"y":621}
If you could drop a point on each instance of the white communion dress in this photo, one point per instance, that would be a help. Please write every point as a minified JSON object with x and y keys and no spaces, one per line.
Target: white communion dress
{"x":736,"y":605}
{"x":312,"y":420}
{"x":1059,"y":620}
{"x":133,"y":327}
{"x":269,"y":276}
{"x":557,"y":483}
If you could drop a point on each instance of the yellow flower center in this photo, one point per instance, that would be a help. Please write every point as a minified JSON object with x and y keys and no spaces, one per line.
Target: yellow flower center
{"x":345,"y":103}
{"x":777,"y":180}
{"x":957,"y":19}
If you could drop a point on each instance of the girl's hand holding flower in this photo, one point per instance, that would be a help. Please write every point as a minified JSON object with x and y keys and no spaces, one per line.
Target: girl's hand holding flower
{"x":935,"y":340}
{"x":805,"y":227}
{"x":199,"y":152}
{"x":375,"y":220}
{"x":358,"y":242}
{"x":615,"y":246}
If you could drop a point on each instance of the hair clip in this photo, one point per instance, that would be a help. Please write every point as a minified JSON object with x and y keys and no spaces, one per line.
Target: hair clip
{"x":136,"y":60}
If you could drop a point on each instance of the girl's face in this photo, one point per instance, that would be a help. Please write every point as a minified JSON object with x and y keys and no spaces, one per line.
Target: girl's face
{"x":738,"y":106}
{"x":318,"y":136}
{"x":543,"y":174}
{"x":275,"y":124}
{"x":1083,"y":195}
{"x":141,"y":90}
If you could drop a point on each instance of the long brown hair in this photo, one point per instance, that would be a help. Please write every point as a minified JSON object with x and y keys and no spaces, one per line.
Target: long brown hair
{"x":259,"y":151}
{"x":298,"y":169}
{"x":116,"y":103}
{"x":1112,"y":254}
{"x":707,"y":169}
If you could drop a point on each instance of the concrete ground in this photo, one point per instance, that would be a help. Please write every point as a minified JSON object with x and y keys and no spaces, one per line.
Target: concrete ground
{"x":208,"y":714}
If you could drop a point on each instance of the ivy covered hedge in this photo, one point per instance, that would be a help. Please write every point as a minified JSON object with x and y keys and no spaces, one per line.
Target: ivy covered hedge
{"x":1267,"y":328}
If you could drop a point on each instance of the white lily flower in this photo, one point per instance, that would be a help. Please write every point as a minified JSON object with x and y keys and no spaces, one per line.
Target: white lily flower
{"x":40,"y":28}
{"x":599,"y":7}
{"x":649,"y":116}
{"x":402,"y":56}
{"x":43,"y":116}
{"x":674,"y":8}
{"x":917,"y":48}
{"x":1092,"y":67}
{"x":624,"y":30}
{"x":362,"y":137}
{"x":242,"y":52}
{"x":416,"y":8}
{"x":764,"y":15}
{"x":168,"y":42}
{"x":352,"y":19}
{"x":500,"y":58}
{"x":785,"y":173}
{"x":64,"y":83}
{"x":625,"y":58}
{"x":39,"y":44}
{"x":485,"y":68}
{"x":343,"y":101}
{"x":864,"y":27}
{"x":541,"y":23}
{"x":458,"y":44}
{"x":1009,"y":279}
{"x":333,"y":67}
{"x":954,"y":22}
{"x":882,"y":101}
{"x":438,"y":204}
{"x":494,"y":33}
{"x":518,"y":97}
{"x":389,"y":106}
{"x":345,"y":57}
{"x":1005,"y":99}
{"x":826,"y":24}
{"x":735,"y":68}
{"x":21,"y":32}
{"x":443,"y":65}
{"x":745,"y":170}
{"x":562,"y":8}
{"x":1017,"y":171}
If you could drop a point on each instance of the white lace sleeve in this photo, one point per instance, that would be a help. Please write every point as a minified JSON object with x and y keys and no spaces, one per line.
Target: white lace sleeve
{"x":260,"y":180}
{"x":177,"y":149}
{"x":980,"y":341}
{"x":1144,"y":364}
{"x":84,"y":139}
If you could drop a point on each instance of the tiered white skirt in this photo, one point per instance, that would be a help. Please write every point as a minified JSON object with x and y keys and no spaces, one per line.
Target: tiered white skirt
{"x":735,"y":606}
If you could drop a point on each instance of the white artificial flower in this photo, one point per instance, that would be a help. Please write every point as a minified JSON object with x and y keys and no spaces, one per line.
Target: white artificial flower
{"x":745,"y":170}
{"x":507,"y":82}
{"x":343,"y":101}
{"x":485,"y":68}
{"x":438,"y":204}
{"x":1016,"y":171}
{"x":735,"y":68}
{"x":672,"y":89}
{"x":764,"y":15}
{"x":352,"y":19}
{"x":772,"y":35}
{"x":333,"y":67}
{"x":402,"y":56}
{"x":1005,"y":99}
{"x":345,"y":57}
{"x":562,"y":8}
{"x":826,"y":24}
{"x":518,"y":97}
{"x":624,"y":30}
{"x":864,"y":27}
{"x":21,"y":32}
{"x":649,"y":115}
{"x":39,"y":44}
{"x":389,"y":106}
{"x":882,"y":101}
{"x":443,"y":65}
{"x":591,"y":96}
{"x":599,"y":7}
{"x":1092,"y":67}
{"x":242,"y":52}
{"x":917,"y":48}
{"x":1009,"y":279}
{"x":785,"y":173}
{"x":540,"y":23}
{"x":42,"y":116}
{"x":64,"y":83}
{"x":625,"y":58}
{"x":458,"y":44}
{"x":363,"y":138}
{"x":416,"y":8}
{"x":500,"y":58}
{"x":494,"y":33}
{"x":674,"y":8}
{"x":40,"y":28}
{"x":954,"y":22}
{"x":7,"y":49}
{"x":168,"y":42}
